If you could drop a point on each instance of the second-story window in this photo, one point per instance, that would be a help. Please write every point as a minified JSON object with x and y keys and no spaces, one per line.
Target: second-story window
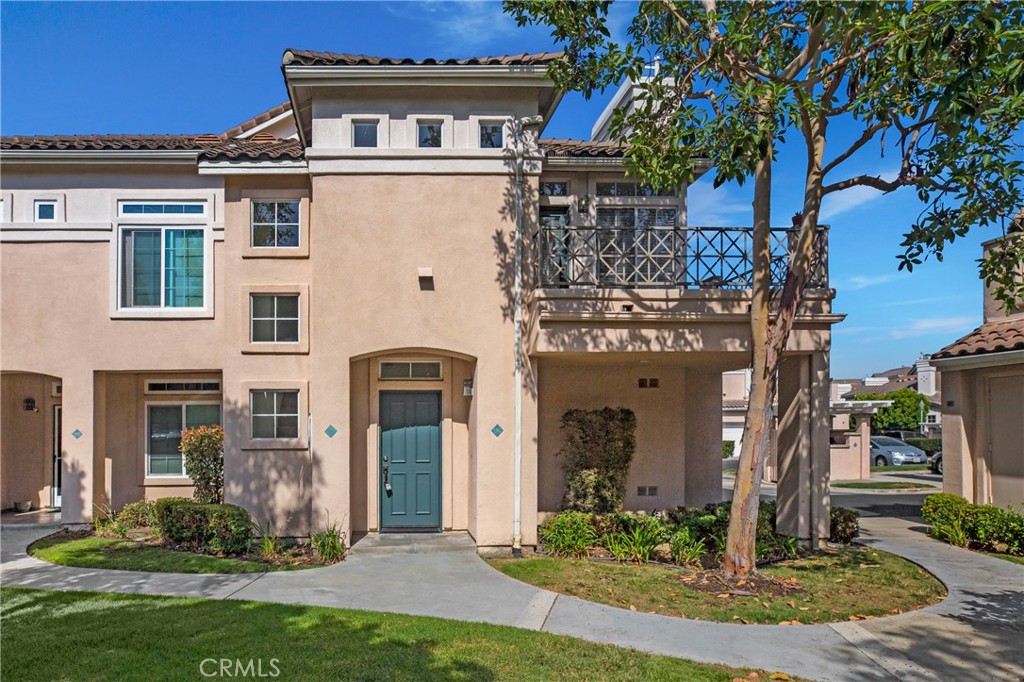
{"x":162,"y":267}
{"x":554,"y":189}
{"x":429,"y":134}
{"x":492,"y":135}
{"x":364,"y":133}
{"x":275,"y":224}
{"x":274,"y":318}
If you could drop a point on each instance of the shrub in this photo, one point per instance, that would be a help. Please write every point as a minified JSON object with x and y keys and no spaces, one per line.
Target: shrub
{"x":594,"y":492}
{"x":230,"y":529}
{"x":942,"y":508}
{"x":599,"y":446}
{"x":270,"y":545}
{"x":568,"y":533}
{"x":686,"y":549}
{"x":328,"y":542}
{"x":217,"y":528}
{"x":636,"y":538}
{"x":844,"y":525}
{"x":203,"y":448}
{"x":103,"y":518}
{"x":710,"y":524}
{"x":929,"y":445}
{"x":141,"y":514}
{"x":728,"y":448}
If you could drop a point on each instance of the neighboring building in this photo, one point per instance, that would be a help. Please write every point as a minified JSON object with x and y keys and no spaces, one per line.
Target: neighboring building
{"x":334,"y":282}
{"x":921,"y":377}
{"x":735,"y":395}
{"x":983,"y":415}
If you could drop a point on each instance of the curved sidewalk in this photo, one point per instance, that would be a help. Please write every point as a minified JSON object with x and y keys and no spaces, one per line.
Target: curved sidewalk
{"x":977,"y":633}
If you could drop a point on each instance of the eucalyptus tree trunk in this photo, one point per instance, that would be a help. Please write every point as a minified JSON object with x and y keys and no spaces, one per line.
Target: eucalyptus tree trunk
{"x":739,"y":547}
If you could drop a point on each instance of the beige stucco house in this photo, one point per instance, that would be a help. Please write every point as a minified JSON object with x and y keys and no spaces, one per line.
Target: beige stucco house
{"x":335,"y":282}
{"x":983,"y":408}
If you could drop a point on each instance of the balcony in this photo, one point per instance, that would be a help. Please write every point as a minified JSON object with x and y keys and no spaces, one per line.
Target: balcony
{"x":665,"y":257}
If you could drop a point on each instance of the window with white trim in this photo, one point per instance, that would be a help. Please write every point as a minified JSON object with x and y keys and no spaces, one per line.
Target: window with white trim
{"x":192,"y":208}
{"x":275,"y":413}
{"x":45,"y":211}
{"x":274,"y":318}
{"x":631,"y":189}
{"x":183,"y":386}
{"x":162,"y":267}
{"x":429,"y":134}
{"x":364,"y":133}
{"x":164,"y":424}
{"x":275,"y":224}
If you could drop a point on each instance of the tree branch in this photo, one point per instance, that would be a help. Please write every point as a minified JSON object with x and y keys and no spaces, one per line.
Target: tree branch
{"x":810,"y":51}
{"x":864,"y":181}
{"x":865,"y":137}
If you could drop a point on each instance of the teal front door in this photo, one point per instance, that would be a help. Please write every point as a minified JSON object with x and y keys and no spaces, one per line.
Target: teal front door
{"x":410,"y":460}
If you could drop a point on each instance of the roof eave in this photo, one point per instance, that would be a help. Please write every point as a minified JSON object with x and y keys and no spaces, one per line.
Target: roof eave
{"x":408,"y":74}
{"x":98,"y":155}
{"x":994,"y":359}
{"x":251,"y":167}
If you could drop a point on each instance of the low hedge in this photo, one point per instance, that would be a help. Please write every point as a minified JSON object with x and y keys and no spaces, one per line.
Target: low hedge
{"x":929,"y":445}
{"x":207,"y":528}
{"x":980,"y":526}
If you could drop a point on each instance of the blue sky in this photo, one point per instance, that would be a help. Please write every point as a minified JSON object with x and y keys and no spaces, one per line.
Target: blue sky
{"x":203,"y":67}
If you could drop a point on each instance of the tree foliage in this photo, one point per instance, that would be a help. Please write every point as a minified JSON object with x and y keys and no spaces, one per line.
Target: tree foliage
{"x":903,"y":415}
{"x":598,"y":449}
{"x":203,"y":448}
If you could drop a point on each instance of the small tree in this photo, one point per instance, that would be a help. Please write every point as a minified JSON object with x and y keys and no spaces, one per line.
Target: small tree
{"x":903,"y":415}
{"x":599,"y":447}
{"x":203,"y":448}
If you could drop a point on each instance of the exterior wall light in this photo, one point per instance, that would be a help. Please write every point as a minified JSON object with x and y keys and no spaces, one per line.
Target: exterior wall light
{"x":583,"y":204}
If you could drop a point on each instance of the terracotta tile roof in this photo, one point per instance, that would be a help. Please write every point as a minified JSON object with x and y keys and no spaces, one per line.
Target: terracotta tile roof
{"x":246,"y":126}
{"x":100,"y":142}
{"x":254,"y":150}
{"x":582,"y":148}
{"x":734,"y":404}
{"x":312,"y":58}
{"x":991,"y":337}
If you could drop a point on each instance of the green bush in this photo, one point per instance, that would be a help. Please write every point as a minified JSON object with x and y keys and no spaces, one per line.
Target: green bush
{"x":929,"y":445}
{"x":711,"y":525}
{"x":636,"y":541}
{"x":594,"y":492}
{"x":728,"y":448}
{"x":569,"y":534}
{"x":981,"y":526}
{"x":844,"y":525}
{"x":687,"y":549}
{"x":141,"y":514}
{"x":599,"y":447}
{"x":203,"y":450}
{"x":329,"y":542}
{"x":209,"y":528}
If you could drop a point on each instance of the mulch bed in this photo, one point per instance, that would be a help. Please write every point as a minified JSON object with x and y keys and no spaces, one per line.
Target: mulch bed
{"x":715,"y":581}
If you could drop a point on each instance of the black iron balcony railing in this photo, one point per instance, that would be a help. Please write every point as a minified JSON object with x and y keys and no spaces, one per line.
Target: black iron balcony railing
{"x":666,"y":257}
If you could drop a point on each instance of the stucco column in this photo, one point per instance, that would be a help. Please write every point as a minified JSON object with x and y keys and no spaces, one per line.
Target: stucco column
{"x":864,"y":429}
{"x":803,"y":450}
{"x":702,"y":458}
{"x":78,"y":466}
{"x":528,"y":511}
{"x":957,"y":419}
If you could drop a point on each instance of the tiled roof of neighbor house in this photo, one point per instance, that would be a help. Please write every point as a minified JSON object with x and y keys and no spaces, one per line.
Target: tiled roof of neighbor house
{"x":207,"y":146}
{"x":882,"y":389}
{"x":100,"y":142}
{"x":991,"y":337}
{"x":246,"y":126}
{"x":734,"y":404}
{"x":582,"y":148}
{"x":254,"y":150}
{"x":313,"y":58}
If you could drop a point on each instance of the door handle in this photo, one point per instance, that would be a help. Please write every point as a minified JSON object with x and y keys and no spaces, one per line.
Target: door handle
{"x":387,"y":485}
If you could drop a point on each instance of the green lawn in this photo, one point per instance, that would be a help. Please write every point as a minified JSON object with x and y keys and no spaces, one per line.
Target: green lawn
{"x":908,"y":467}
{"x":835,"y":586}
{"x":885,"y":485}
{"x":127,"y":555}
{"x":85,"y":636}
{"x":1007,"y":557}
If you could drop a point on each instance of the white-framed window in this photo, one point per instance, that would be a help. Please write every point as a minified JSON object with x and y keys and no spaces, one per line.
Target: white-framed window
{"x":45,"y":211}
{"x":275,"y":224}
{"x":492,"y":134}
{"x":156,"y":208}
{"x":274,"y":318}
{"x":275,"y":414}
{"x":554,"y":189}
{"x":162,"y":386}
{"x":364,"y":133}
{"x":162,"y":267}
{"x":630,"y":189}
{"x":636,"y":217}
{"x":410,"y":370}
{"x":164,"y":424}
{"x":429,"y":133}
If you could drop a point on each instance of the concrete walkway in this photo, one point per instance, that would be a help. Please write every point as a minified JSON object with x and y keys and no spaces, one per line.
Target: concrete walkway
{"x":975,"y":634}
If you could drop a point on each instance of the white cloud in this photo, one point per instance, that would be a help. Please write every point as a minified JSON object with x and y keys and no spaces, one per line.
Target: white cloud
{"x":722,"y":207}
{"x":935,"y":325}
{"x":855,"y":197}
{"x":858,"y":282}
{"x":460,"y":27}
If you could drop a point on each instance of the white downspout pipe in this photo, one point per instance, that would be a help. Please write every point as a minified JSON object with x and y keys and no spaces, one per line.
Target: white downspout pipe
{"x":519,"y":126}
